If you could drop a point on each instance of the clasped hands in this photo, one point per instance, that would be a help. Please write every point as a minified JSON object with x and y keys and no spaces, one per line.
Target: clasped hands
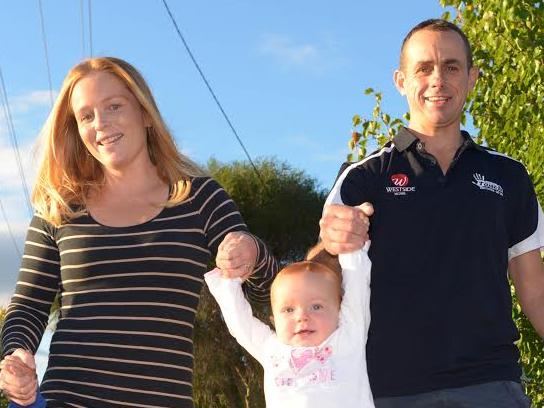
{"x":345,"y":229}
{"x":237,"y":255}
{"x":18,"y":378}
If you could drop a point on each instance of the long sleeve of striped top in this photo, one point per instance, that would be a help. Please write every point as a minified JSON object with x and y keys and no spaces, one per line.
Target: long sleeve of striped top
{"x":128,"y":298}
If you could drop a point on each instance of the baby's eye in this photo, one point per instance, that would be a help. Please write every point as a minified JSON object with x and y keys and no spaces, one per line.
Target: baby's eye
{"x":288,"y":309}
{"x":317,"y":306}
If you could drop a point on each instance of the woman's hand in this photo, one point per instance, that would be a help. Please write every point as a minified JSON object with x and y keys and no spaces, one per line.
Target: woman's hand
{"x":237,"y":255}
{"x":18,"y":377}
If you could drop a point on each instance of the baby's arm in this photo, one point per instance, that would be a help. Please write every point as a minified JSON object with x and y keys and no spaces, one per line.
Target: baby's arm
{"x":355,"y":307}
{"x":249,"y":331}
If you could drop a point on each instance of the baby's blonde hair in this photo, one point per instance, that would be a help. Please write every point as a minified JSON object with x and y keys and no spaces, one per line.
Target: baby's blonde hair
{"x":318,"y":261}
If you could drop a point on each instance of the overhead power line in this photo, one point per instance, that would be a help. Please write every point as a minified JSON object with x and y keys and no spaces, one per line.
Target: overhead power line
{"x":10,"y":232}
{"x":15,"y":144}
{"x":44,"y":39}
{"x":211,"y":90}
{"x":90,"y":29}
{"x":82,"y":25}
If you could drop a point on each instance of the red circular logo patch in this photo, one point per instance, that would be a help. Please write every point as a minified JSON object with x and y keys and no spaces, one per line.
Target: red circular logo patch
{"x":399,"y":180}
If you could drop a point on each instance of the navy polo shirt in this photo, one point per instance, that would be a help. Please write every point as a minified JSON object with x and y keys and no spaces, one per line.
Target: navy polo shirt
{"x":441,"y":309}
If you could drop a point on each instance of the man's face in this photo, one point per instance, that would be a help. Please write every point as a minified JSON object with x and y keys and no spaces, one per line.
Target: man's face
{"x":435,"y":79}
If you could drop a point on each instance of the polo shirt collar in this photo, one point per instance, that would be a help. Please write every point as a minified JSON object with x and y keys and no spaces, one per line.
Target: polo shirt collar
{"x":404,"y":139}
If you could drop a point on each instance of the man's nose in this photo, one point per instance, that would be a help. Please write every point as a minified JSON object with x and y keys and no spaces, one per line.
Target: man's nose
{"x":437,"y":77}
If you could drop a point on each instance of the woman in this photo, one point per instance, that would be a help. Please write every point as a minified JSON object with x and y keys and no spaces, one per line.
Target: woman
{"x":124,"y":229}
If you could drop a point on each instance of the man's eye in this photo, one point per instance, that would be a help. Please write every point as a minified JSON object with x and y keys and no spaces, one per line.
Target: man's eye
{"x":424,"y":70}
{"x":452,"y":68}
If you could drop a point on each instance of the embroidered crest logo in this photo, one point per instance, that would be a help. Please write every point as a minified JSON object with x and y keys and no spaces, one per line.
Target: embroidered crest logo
{"x":400,"y":185}
{"x":484,"y":184}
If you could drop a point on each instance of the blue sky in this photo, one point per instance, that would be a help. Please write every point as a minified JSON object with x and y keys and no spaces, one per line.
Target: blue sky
{"x":290,"y":75}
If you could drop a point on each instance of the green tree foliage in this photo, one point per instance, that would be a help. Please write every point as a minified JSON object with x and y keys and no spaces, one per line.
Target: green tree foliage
{"x":506,"y":106}
{"x":508,"y":42}
{"x":282,"y":206}
{"x":377,"y":130}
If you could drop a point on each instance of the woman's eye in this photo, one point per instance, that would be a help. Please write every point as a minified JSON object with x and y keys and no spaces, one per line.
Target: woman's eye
{"x":115,"y":107}
{"x":85,"y":118}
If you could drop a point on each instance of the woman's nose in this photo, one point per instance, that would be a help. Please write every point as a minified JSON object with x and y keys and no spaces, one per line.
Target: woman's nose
{"x":101,"y":120}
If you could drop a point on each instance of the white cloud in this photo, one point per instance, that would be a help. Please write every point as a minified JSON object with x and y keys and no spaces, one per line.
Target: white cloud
{"x":291,"y":55}
{"x":35,"y":99}
{"x":28,"y":112}
{"x":318,"y":57}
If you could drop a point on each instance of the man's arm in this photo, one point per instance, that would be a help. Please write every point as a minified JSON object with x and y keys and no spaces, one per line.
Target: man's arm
{"x":527,"y":273}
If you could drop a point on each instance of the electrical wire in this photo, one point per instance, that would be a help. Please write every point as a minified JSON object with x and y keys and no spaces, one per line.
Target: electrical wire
{"x":82,"y":25}
{"x":90,"y":30}
{"x":44,"y":39}
{"x":211,"y":91}
{"x":15,"y":144}
{"x":10,"y":232}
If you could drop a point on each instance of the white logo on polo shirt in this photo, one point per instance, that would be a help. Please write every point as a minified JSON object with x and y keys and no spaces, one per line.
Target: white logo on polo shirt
{"x":484,"y":184}
{"x":400,"y":185}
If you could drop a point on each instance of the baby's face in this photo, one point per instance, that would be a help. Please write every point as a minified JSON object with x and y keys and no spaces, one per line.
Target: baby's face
{"x":305,"y":308}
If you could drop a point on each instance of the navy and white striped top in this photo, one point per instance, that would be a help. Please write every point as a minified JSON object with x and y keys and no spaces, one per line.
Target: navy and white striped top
{"x":128,"y":298}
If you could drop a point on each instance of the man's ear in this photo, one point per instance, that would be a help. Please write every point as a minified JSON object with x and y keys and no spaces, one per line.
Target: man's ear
{"x":473,"y":75}
{"x":398,"y":79}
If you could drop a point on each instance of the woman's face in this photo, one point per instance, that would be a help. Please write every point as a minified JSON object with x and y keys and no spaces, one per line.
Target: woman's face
{"x":110,"y":121}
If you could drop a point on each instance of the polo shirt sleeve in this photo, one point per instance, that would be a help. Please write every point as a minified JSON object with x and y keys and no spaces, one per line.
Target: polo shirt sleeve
{"x":351,"y":187}
{"x":527,"y":228}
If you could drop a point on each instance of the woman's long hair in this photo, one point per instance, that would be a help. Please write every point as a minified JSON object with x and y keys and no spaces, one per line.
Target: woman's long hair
{"x":68,"y":172}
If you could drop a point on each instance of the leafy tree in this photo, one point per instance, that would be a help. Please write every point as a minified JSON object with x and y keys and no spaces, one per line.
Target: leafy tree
{"x":508,"y":41}
{"x":282,"y":206}
{"x":377,"y":130}
{"x":506,"y":106}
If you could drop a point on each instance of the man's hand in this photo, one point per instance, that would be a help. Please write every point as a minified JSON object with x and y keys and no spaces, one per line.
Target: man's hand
{"x":345,"y":229}
{"x":237,"y":255}
{"x":18,"y":377}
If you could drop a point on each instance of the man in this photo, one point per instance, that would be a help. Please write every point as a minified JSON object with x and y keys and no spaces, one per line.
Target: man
{"x":451,"y":221}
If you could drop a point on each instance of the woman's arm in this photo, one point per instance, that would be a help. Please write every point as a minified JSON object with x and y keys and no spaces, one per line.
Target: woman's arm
{"x":220,"y":217}
{"x":37,"y":285}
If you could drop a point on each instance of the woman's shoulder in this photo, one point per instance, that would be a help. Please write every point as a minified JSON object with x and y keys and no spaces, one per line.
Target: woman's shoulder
{"x":203,"y":186}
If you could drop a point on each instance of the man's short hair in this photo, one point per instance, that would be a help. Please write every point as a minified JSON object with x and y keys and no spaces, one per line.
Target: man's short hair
{"x":436,"y":24}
